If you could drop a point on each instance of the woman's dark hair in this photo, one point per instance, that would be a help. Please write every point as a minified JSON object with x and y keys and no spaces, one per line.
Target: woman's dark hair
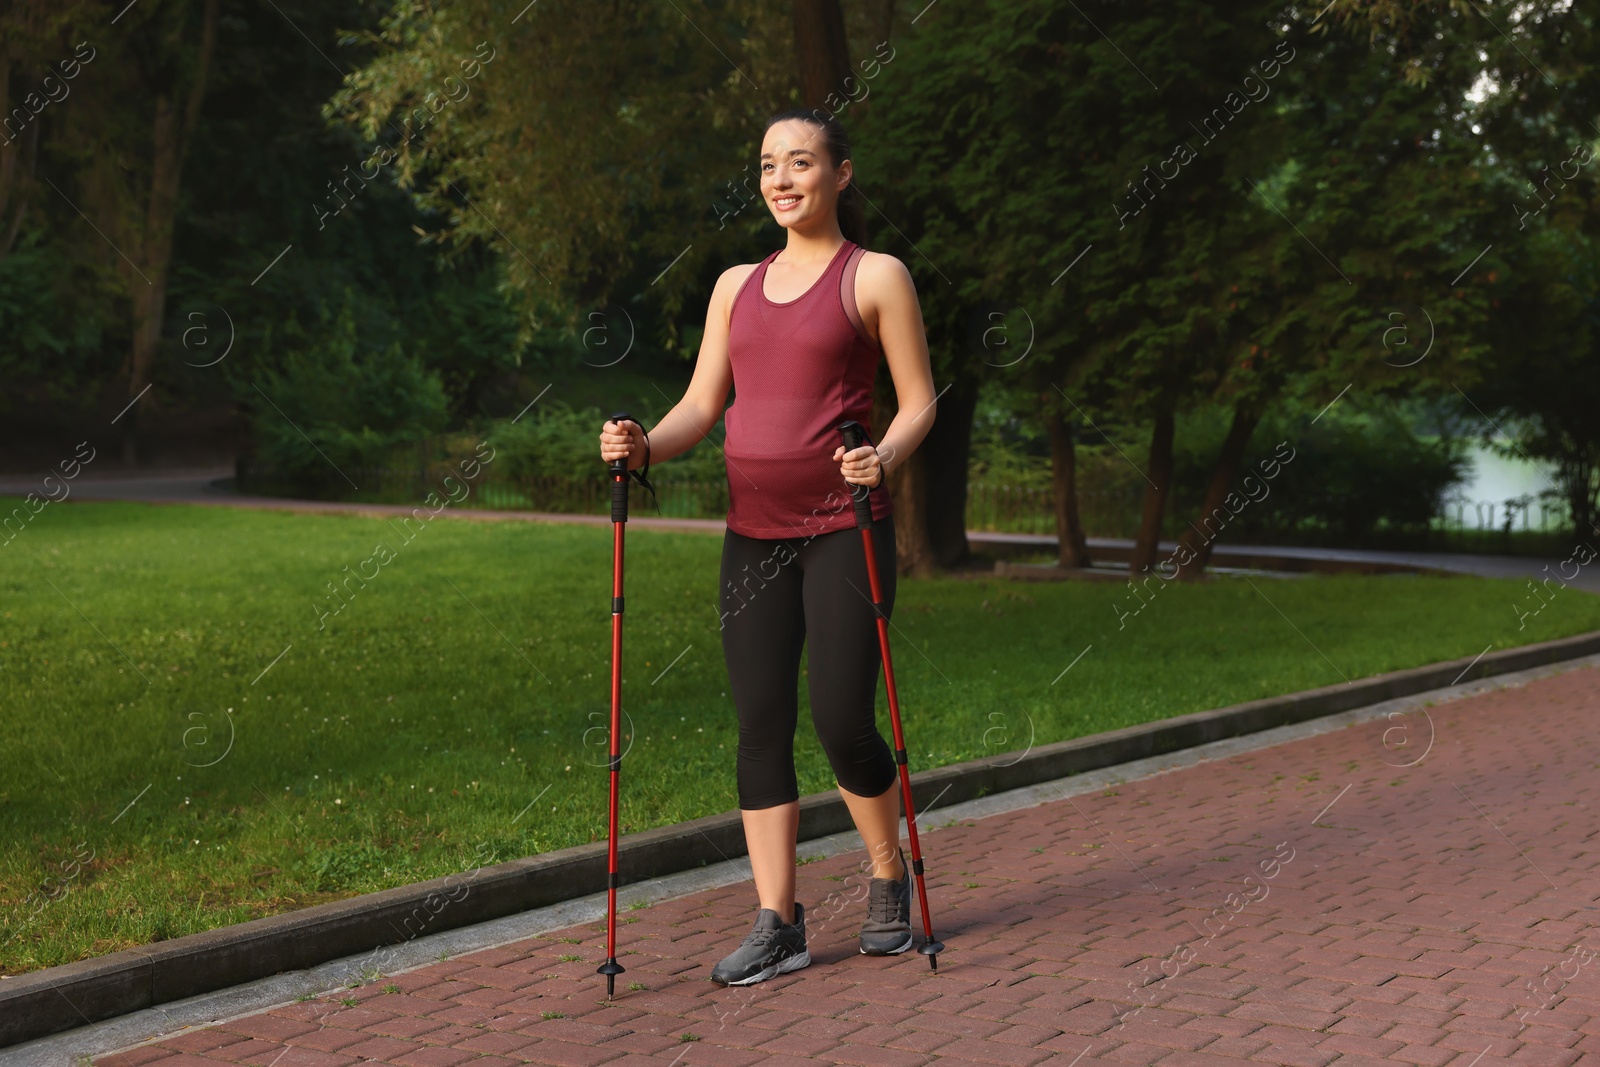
{"x":852,"y":220}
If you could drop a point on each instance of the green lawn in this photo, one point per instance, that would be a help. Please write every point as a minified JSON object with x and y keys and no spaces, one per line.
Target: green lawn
{"x":454,"y":712}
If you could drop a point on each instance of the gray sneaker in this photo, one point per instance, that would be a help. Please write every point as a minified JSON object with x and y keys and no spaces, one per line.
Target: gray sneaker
{"x":887,"y":931}
{"x":772,"y":947}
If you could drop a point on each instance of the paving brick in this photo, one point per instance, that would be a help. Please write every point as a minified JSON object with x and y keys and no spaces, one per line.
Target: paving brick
{"x":869,"y":1056}
{"x":717,"y":1056}
{"x":799,"y":1045}
{"x":250,"y":1050}
{"x":891,"y":1036}
{"x":136,"y":1057}
{"x":381,"y":1048}
{"x":432,"y":1057}
{"x":1423,"y":1055}
{"x":270,"y":1027}
{"x":451,"y":1035}
{"x":941,"y":1022}
{"x":406,"y":1026}
{"x":567,"y":1054}
{"x":495,"y":1042}
{"x":993,"y":1052}
{"x":1544,"y":1056}
{"x":203,"y":1041}
{"x":296,"y":1056}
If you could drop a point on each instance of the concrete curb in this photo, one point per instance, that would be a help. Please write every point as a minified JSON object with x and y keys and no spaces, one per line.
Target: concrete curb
{"x":61,"y":998}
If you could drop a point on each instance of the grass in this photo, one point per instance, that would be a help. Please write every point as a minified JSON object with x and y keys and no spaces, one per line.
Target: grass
{"x":188,"y":746}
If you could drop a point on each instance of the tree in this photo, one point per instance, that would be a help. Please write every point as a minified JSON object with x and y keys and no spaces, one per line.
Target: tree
{"x":1543,"y":383}
{"x":593,"y":146}
{"x":130,"y":130}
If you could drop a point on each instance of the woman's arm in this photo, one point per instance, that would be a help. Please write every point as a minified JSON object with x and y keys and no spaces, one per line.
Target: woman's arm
{"x":692,"y":418}
{"x":887,"y":298}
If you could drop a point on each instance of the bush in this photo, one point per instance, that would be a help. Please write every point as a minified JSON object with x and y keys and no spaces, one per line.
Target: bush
{"x":1358,"y":471}
{"x":332,"y":405}
{"x":556,"y":440}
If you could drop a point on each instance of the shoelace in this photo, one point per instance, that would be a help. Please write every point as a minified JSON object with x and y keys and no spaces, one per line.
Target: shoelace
{"x":883,"y":907}
{"x":759,"y":937}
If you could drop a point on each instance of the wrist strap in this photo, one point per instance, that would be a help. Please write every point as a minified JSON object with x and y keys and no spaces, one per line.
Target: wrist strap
{"x":883,"y":468}
{"x":643,"y":477}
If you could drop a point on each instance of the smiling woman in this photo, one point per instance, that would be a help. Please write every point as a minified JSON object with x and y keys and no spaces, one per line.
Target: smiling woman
{"x":800,"y":336}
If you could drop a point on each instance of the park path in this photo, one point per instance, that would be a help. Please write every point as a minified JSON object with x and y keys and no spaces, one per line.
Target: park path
{"x":212,"y":486}
{"x":1310,"y":903}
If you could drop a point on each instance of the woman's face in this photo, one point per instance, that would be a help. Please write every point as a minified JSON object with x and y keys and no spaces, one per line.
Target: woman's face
{"x":798,"y":179}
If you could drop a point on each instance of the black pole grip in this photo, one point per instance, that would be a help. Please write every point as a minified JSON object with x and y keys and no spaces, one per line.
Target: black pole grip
{"x":862,"y":495}
{"x":619,"y":478}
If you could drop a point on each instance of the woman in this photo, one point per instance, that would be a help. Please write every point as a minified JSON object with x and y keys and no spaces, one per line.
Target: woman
{"x":800,"y":335}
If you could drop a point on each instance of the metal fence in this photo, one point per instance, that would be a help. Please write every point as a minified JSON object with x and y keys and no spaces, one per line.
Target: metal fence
{"x":1000,"y":508}
{"x":1515,"y":514}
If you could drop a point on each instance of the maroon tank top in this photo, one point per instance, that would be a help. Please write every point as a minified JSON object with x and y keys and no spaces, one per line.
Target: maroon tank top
{"x":799,"y":369}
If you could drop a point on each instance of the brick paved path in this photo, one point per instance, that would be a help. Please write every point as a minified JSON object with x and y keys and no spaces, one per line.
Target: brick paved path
{"x":1311,"y":903}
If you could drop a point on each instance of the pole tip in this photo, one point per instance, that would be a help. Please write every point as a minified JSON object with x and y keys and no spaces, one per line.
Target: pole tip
{"x":610,"y":968}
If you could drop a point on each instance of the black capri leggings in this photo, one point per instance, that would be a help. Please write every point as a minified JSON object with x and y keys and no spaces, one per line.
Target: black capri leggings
{"x":775,"y":594}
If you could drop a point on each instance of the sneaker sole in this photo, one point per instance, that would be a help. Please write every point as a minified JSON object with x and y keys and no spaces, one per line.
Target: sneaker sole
{"x":784,"y":966}
{"x":890,"y":952}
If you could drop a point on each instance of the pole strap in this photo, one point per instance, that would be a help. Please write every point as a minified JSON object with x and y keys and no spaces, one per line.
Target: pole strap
{"x":643,"y":476}
{"x":882,"y":470}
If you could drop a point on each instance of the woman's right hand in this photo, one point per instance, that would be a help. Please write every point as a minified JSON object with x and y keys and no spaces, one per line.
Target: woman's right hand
{"x":624,"y":440}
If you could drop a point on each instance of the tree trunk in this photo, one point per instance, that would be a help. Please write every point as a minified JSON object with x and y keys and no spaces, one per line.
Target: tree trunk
{"x":170,"y":138}
{"x":821,"y":49}
{"x":907,"y":486}
{"x":885,"y":22}
{"x":1195,"y":543}
{"x":1577,"y":473}
{"x":19,"y":159}
{"x":1074,"y":546}
{"x":946,"y":453}
{"x":1159,"y":475}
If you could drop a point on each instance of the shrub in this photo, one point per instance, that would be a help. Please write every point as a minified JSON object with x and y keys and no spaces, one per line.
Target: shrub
{"x":333,"y":405}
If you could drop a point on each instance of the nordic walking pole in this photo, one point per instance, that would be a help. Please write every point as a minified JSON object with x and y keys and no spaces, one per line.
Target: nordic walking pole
{"x":619,"y":519}
{"x":853,"y":434}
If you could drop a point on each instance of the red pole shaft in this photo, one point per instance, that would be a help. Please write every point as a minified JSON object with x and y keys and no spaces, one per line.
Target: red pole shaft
{"x":899,"y":736}
{"x":616,"y":731}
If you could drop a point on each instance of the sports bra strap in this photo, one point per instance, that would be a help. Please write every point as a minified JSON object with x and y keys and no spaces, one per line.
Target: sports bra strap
{"x":847,"y":294}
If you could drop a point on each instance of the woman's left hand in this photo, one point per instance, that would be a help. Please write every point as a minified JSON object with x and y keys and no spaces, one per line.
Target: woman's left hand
{"x":860,"y":466}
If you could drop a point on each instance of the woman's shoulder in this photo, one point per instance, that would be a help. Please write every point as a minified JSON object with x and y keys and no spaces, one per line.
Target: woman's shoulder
{"x":730,"y":283}
{"x":732,"y":279}
{"x":735,"y":275}
{"x":880,"y":273}
{"x":881,"y":265}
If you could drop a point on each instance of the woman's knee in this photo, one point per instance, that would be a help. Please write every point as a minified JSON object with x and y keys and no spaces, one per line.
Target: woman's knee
{"x":851,"y":742}
{"x":869,"y":771}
